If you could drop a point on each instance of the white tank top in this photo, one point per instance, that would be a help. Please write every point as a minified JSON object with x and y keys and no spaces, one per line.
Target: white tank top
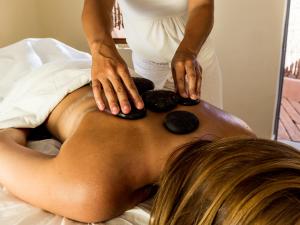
{"x":154,"y":28}
{"x":153,"y":8}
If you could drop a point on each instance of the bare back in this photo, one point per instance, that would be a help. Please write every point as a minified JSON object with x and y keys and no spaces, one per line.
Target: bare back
{"x":135,"y":150}
{"x":106,"y":163}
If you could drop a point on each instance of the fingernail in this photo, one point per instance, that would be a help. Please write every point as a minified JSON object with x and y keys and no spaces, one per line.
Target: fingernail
{"x":126,"y":108}
{"x":184,"y":95}
{"x":100,"y":105}
{"x":194,"y":97}
{"x":115,"y":110}
{"x":140,"y":105}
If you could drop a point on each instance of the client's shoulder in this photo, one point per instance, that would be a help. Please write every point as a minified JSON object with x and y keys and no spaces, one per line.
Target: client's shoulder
{"x":220,"y":122}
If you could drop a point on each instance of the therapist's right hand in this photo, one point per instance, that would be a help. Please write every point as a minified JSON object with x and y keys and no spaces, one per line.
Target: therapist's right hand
{"x":111,"y":81}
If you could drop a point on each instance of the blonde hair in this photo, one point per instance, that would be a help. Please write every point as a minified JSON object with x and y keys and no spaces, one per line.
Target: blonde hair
{"x":230,"y":181}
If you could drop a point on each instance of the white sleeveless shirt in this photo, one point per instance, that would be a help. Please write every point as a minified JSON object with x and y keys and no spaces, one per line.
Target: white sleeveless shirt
{"x":154,"y":28}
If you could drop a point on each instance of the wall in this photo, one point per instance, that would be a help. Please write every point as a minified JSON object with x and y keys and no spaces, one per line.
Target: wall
{"x":248,"y":37}
{"x":18,"y":20}
{"x":62,"y":19}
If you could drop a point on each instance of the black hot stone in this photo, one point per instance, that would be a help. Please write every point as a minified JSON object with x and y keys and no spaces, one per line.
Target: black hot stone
{"x":160,"y":100}
{"x":187,"y":101}
{"x":181,"y":122}
{"x":134,"y":114}
{"x":143,"y":84}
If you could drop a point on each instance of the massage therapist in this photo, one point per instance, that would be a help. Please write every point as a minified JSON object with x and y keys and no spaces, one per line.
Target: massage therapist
{"x":170,"y":45}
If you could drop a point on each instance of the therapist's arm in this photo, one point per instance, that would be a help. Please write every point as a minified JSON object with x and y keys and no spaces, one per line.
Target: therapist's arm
{"x":110,"y":75}
{"x":186,"y":70}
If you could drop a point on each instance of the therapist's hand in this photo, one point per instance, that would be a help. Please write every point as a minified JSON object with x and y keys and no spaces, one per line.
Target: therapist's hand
{"x":187,"y":74}
{"x":111,"y":80}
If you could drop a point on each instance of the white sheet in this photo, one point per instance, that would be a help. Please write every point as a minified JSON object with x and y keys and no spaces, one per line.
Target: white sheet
{"x":16,"y":212}
{"x":35,"y":75}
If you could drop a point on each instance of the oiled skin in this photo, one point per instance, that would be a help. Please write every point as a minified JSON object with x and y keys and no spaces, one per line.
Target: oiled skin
{"x":141,"y":147}
{"x":105,"y":161}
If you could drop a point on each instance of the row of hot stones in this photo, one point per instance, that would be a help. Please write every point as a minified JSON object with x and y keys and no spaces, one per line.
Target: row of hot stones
{"x":178,"y":121}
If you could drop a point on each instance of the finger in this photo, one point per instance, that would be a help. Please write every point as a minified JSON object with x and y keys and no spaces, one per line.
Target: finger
{"x":131,"y":88}
{"x":192,"y":79}
{"x":199,"y":81}
{"x":180,"y":79}
{"x":174,"y":78}
{"x":97,"y":91}
{"x":110,"y":96}
{"x":121,"y":94}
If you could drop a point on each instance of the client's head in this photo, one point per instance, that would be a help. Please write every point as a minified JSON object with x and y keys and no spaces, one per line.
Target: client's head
{"x":230,"y":182}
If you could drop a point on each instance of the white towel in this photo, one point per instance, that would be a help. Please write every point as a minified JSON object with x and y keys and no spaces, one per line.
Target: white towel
{"x":35,"y":75}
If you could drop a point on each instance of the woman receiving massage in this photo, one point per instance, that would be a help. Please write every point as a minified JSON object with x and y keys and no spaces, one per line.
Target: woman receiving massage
{"x":218,"y":174}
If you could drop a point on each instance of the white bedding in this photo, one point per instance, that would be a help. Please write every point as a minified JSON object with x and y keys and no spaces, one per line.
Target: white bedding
{"x":16,"y":212}
{"x":35,"y":75}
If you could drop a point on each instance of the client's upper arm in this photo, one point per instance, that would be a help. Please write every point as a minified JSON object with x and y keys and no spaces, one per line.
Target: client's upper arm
{"x":15,"y":134}
{"x":120,"y":200}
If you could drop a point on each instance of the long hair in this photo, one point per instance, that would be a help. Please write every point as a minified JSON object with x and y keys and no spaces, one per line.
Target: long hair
{"x":230,"y":181}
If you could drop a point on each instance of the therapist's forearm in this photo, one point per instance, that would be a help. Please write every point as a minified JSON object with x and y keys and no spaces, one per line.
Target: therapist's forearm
{"x":199,"y":26}
{"x":97,"y":23}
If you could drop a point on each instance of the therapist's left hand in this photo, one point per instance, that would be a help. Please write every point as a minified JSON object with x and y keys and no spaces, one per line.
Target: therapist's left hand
{"x":187,"y":74}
